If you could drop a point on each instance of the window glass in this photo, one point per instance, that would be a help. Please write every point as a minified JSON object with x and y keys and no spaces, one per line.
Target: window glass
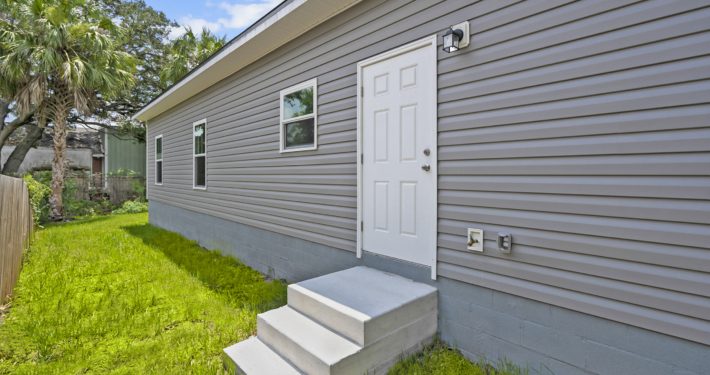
{"x":299,"y":123}
{"x":299,"y":133}
{"x":299,"y":103}
{"x":199,"y":171}
{"x":199,"y":135}
{"x":159,"y":159}
{"x":159,"y":172}
{"x":159,"y":148}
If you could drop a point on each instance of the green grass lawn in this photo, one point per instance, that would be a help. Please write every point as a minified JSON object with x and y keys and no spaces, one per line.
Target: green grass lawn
{"x":439,"y":359}
{"x":114,"y":294}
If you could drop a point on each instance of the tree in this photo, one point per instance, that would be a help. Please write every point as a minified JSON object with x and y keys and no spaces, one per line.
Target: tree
{"x":145,"y":37}
{"x":188,"y":51}
{"x":63,"y":54}
{"x":9,"y":120}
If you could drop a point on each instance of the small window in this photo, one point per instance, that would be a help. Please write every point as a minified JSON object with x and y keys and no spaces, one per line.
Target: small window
{"x":299,"y":128}
{"x":199,"y":135}
{"x":159,"y":160}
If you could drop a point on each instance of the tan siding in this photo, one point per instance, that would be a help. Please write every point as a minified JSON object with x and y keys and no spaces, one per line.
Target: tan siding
{"x":582,"y":128}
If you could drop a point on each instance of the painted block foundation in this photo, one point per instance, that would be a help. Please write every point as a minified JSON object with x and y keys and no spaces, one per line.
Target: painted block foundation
{"x":478,"y":321}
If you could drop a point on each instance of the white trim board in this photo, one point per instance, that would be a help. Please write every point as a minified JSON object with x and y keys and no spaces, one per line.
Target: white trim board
{"x":428,"y":42}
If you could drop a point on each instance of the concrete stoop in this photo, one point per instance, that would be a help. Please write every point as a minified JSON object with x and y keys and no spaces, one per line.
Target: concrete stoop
{"x":355,"y":321}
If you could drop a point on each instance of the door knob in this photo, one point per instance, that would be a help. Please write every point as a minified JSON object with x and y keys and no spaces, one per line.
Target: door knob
{"x":426,"y":167}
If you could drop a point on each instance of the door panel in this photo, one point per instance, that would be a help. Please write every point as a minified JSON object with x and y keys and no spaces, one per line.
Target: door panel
{"x":398,"y":125}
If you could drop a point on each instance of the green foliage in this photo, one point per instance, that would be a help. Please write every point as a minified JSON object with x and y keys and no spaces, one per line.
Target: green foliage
{"x":78,"y":208}
{"x":63,"y":54}
{"x":59,"y":50}
{"x":188,"y":51}
{"x":114,"y":294}
{"x":139,"y":189}
{"x":437,"y":358}
{"x":39,"y":193}
{"x":73,"y":207}
{"x":132,"y":207}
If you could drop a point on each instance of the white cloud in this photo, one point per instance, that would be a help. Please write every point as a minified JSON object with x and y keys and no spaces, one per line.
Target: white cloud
{"x":239,"y":15}
{"x":196,"y":24}
{"x":242,"y":15}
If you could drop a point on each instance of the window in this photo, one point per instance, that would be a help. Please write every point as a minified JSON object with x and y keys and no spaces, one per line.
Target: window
{"x":299,"y":129}
{"x":159,"y":160}
{"x":199,"y":153}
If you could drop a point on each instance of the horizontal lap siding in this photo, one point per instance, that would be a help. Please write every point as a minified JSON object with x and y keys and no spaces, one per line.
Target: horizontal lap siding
{"x":588,"y":139}
{"x":582,"y":128}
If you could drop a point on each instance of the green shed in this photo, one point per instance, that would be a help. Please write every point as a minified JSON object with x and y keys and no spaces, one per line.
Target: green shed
{"x":123,"y":152}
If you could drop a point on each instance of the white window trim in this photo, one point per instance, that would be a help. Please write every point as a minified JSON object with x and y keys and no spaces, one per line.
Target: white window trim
{"x":194,"y":125}
{"x":162,"y":150}
{"x":312,"y":83}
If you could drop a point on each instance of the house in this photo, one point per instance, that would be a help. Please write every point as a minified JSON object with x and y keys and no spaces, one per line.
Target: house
{"x":551,"y":179}
{"x":84,"y":151}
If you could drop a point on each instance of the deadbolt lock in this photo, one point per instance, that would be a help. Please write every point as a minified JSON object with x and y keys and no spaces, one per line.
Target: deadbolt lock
{"x":427,"y":152}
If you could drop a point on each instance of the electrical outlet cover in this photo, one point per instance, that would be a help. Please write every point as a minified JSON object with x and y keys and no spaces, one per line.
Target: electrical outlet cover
{"x":474,"y":241}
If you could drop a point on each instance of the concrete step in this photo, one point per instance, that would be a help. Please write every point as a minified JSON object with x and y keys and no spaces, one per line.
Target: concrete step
{"x":361,"y":303}
{"x":252,"y":356}
{"x":314,"y":349}
{"x":311,"y":347}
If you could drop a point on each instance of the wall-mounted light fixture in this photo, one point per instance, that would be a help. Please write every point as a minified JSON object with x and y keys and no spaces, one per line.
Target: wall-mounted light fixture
{"x":456,"y":37}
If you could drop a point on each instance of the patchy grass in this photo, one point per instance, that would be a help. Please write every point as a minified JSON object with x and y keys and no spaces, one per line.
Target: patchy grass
{"x":440,"y":359}
{"x":116,"y":295}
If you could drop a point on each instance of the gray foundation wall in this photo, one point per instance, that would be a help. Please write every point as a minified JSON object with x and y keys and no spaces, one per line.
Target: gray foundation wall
{"x":480,"y":322}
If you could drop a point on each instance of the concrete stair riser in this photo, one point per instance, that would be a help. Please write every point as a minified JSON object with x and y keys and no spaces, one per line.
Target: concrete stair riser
{"x":353,"y":325}
{"x":311,"y":347}
{"x":389,"y":349}
{"x":354,"y":321}
{"x":252,"y":356}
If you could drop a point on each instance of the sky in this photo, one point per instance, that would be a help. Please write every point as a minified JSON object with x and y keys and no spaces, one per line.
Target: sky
{"x":223,"y":17}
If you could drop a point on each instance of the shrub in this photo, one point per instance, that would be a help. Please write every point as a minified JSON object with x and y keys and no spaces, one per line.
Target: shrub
{"x":139,"y":189}
{"x":73,"y":207}
{"x":132,"y":207}
{"x":39,"y":195}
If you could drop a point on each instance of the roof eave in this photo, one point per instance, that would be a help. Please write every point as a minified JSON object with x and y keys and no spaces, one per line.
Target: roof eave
{"x":271,"y":32}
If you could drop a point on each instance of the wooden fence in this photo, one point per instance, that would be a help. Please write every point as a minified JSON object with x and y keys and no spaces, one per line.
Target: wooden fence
{"x":118,"y":188}
{"x":15,"y":230}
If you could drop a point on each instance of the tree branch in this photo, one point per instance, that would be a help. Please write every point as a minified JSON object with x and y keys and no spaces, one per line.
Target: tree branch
{"x":10,"y":127}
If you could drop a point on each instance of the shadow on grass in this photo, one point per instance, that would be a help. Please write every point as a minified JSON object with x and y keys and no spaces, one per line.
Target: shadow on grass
{"x":240,"y":285}
{"x":74,"y":222}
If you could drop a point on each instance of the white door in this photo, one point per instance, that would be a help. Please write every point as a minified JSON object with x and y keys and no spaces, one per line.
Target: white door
{"x":398,"y":147}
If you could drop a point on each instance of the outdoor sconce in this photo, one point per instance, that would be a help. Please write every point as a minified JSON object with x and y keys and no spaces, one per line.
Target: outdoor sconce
{"x":456,"y":37}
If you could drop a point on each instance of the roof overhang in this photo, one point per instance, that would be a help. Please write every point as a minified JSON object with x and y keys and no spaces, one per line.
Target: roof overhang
{"x":283,"y":24}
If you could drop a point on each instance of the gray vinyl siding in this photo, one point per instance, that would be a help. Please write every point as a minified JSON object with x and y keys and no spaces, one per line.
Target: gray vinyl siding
{"x":582,"y":128}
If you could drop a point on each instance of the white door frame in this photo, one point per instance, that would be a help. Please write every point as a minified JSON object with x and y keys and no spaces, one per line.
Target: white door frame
{"x":428,"y":42}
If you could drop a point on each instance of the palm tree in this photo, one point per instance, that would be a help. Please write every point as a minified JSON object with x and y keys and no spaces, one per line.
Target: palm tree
{"x":64,"y":54}
{"x":187,"y":51}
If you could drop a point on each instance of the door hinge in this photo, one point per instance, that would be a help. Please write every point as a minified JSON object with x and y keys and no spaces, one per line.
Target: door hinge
{"x":362,"y":226}
{"x":362,"y":158}
{"x":362,"y":91}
